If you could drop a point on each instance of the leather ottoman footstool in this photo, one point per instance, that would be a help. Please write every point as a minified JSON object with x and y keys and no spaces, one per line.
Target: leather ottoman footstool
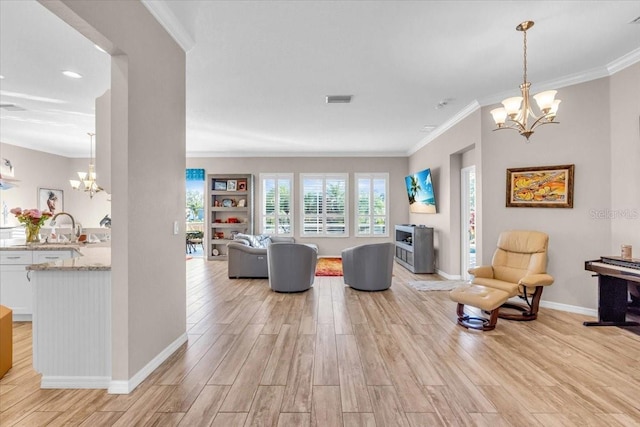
{"x":485,"y":298}
{"x":6,"y":339}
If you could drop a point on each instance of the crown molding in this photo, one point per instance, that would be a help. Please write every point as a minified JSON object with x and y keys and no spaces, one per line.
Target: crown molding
{"x":165,"y":16}
{"x":230,"y":154}
{"x":624,"y":61}
{"x":451,"y":122}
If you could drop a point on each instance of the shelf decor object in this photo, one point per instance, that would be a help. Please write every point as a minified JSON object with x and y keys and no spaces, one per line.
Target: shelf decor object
{"x":518,"y":108}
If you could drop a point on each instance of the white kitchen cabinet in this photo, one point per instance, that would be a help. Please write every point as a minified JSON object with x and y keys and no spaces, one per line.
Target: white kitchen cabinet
{"x":40,"y":257}
{"x":15,"y":287}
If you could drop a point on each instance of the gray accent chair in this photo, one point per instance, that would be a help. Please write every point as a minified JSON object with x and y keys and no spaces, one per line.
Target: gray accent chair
{"x":292,"y":266}
{"x":247,"y":261}
{"x":368,"y":267}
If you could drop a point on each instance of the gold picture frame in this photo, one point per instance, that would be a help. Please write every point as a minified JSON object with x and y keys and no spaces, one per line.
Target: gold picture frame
{"x":540,"y":187}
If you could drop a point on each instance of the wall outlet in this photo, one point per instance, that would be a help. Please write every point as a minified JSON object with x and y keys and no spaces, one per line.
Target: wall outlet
{"x":176,"y":227}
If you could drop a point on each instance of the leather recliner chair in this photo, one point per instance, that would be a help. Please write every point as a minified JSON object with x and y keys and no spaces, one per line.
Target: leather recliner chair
{"x":519,"y":267}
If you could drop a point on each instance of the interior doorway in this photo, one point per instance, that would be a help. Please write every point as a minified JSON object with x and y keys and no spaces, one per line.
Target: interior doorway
{"x":194,"y":212}
{"x":468,"y":216}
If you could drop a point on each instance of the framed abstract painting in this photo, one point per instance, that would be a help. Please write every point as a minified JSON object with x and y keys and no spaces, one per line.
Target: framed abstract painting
{"x":540,"y":187}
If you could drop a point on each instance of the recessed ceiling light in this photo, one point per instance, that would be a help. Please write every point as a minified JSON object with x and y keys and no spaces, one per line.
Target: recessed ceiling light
{"x":71,"y":74}
{"x":99,"y":48}
{"x":339,"y":99}
{"x":1,"y":77}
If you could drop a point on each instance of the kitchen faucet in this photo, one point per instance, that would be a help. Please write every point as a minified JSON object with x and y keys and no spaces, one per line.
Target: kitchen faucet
{"x":77,"y":231}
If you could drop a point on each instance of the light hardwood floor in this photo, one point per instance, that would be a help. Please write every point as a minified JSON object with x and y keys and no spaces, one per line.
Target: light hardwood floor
{"x":333,"y":356}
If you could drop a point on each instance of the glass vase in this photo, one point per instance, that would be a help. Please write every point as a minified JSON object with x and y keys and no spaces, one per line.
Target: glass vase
{"x":33,"y":233}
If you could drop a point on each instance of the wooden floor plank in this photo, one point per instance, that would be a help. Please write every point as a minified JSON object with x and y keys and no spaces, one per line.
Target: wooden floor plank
{"x":226,"y":419}
{"x":277,"y":369}
{"x":297,"y":394}
{"x":353,"y":386}
{"x":387,"y":407}
{"x":326,"y":410}
{"x":205,"y":408}
{"x":228,"y":369}
{"x":265,"y":409}
{"x":288,"y":419}
{"x":325,"y":368}
{"x":358,"y":419}
{"x":246,"y":384}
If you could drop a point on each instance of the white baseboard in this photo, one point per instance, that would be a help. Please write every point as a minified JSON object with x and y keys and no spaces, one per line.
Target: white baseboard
{"x":126,"y":387}
{"x":569,"y":308}
{"x":448,"y":276}
{"x":74,"y":382}
{"x":562,"y":307}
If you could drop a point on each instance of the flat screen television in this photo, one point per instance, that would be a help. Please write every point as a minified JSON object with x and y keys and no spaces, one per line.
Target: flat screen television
{"x":420,"y":191}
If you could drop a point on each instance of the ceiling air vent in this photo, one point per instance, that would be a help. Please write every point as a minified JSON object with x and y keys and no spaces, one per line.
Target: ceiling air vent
{"x":339,"y":99}
{"x":11,"y":107}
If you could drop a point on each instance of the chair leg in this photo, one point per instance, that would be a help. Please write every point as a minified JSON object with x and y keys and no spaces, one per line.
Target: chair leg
{"x":525,"y":312}
{"x":479,"y":323}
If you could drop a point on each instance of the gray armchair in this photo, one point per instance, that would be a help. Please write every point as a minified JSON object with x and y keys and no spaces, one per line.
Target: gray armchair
{"x":292,"y":266}
{"x":247,"y":261}
{"x":368,"y":267}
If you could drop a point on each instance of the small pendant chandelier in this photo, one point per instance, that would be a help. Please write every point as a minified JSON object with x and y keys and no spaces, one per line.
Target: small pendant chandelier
{"x":87,"y":182}
{"x":518,"y":109}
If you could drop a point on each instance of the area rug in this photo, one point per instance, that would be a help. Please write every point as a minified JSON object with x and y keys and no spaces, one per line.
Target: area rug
{"x":329,"y":267}
{"x":437,"y":285}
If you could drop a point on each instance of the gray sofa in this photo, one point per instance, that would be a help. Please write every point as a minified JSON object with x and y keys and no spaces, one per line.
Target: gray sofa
{"x":248,"y":261}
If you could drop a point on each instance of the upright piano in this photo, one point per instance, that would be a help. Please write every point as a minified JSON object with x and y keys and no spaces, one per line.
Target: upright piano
{"x":614,"y":274}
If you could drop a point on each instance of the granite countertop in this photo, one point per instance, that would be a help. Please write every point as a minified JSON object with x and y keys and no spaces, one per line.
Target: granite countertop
{"x":91,"y":258}
{"x":19,"y":245}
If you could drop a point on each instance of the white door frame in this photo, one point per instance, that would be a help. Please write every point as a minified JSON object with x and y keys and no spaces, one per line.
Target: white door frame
{"x":464,"y":220}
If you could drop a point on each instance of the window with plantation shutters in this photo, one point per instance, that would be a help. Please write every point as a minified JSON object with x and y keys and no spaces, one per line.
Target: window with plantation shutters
{"x":372,"y":216}
{"x":324,"y":205}
{"x":277,"y":204}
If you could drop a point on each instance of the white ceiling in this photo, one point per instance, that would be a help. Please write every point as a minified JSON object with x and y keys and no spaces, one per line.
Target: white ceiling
{"x":258,"y":71}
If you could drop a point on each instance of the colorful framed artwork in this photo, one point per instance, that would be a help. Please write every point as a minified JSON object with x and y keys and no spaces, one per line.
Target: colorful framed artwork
{"x":540,"y":187}
{"x":242,"y":185}
{"x":220,"y":185}
{"x":50,"y":200}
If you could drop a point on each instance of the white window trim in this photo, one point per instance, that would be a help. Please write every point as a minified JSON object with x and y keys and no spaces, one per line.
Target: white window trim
{"x":324,"y":177}
{"x":262,"y":214}
{"x":356,"y":201}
